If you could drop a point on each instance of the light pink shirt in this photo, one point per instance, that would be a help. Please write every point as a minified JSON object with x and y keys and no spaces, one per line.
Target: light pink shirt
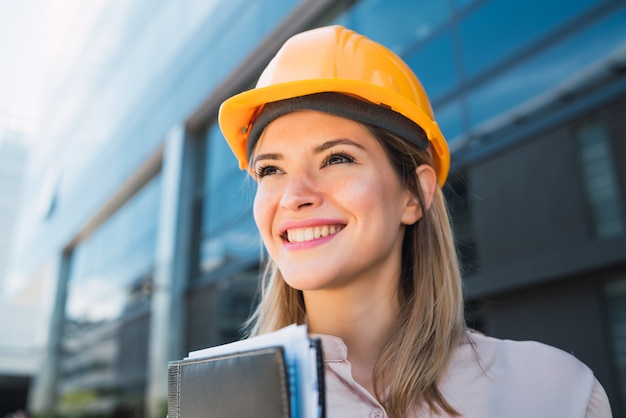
{"x":490,"y":378}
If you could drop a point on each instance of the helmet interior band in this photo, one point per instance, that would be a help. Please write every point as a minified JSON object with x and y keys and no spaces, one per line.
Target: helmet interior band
{"x":340,"y":105}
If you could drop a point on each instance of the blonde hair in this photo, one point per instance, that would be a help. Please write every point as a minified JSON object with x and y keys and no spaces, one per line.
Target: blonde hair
{"x":430,"y":322}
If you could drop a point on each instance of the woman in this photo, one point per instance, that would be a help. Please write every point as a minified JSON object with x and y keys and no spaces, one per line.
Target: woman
{"x":341,"y":138}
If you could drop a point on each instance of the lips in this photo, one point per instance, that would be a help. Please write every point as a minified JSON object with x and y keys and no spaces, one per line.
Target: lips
{"x":311,"y":233}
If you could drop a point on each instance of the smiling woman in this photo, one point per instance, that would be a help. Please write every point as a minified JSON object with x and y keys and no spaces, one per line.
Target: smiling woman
{"x":349,"y":163}
{"x":331,"y":176}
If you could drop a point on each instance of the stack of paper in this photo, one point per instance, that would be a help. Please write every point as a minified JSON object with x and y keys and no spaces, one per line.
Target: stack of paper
{"x":276,"y":374}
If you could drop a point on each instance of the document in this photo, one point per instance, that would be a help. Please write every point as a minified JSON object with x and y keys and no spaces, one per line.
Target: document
{"x":279,"y":374}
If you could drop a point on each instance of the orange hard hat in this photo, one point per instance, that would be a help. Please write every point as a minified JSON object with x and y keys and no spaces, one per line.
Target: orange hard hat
{"x":339,"y":60}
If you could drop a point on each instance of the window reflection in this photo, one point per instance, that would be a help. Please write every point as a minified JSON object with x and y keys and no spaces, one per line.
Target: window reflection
{"x":229,"y":234}
{"x":218,"y":310}
{"x":107,"y":264}
{"x":461,"y":4}
{"x":500,"y":28}
{"x":87,"y":309}
{"x":435,"y":66}
{"x":397,"y":24}
{"x":107,"y":310}
{"x":450,"y":119}
{"x":458,"y":197}
{"x":615,"y":294}
{"x":600,"y":178}
{"x":548,"y":72}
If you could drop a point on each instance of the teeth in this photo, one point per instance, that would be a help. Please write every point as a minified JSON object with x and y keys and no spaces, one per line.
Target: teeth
{"x":308,"y":234}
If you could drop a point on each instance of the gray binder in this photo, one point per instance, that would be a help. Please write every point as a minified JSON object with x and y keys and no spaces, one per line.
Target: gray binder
{"x":255,"y":382}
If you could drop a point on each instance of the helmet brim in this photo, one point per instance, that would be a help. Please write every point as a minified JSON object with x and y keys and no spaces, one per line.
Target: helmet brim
{"x":238,"y":112}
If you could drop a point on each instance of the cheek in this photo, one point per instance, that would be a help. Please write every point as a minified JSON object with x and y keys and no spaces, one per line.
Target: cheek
{"x":366,"y":194}
{"x":263,"y":210}
{"x":259,"y":210}
{"x":379,"y":202}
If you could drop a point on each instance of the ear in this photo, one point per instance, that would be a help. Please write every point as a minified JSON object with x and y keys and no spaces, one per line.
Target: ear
{"x":427,"y":179}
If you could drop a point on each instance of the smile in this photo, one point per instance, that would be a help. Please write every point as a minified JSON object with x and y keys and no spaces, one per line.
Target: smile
{"x":312,"y":233}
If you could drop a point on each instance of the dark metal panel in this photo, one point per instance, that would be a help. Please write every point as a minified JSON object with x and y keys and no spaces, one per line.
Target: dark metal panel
{"x":527,"y":201}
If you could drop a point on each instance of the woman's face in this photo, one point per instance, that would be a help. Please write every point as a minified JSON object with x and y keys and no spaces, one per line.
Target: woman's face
{"x":329,"y":206}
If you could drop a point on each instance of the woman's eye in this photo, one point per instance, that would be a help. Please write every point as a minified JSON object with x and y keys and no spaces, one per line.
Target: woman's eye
{"x":338,"y":158}
{"x":267,"y":170}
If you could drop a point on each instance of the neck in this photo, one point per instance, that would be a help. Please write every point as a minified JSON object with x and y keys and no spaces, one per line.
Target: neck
{"x":363,"y":316}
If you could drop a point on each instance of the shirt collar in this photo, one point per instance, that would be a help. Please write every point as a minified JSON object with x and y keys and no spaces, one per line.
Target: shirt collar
{"x":333,"y":348}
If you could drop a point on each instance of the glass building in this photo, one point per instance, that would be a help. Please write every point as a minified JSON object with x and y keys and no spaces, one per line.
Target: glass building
{"x":148,"y":241}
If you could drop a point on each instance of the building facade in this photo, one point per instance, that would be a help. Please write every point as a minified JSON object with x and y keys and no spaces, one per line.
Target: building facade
{"x":13,"y":166}
{"x":16,"y":353}
{"x":148,"y":241}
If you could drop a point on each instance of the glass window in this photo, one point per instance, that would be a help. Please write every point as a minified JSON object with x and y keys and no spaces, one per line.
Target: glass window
{"x":118,"y":253}
{"x":397,"y":24}
{"x":434,"y":65}
{"x":615,"y":292}
{"x":547,"y":72}
{"x":457,"y":193}
{"x":500,"y":28}
{"x":109,"y":288}
{"x":600,"y":179}
{"x":450,"y":120}
{"x":229,"y":234}
{"x":239,"y":29}
{"x":461,"y":4}
{"x":218,"y":310}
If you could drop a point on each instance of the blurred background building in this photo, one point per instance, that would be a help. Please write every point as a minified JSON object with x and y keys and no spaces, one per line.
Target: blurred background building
{"x":17,"y":355}
{"x":13,"y":165}
{"x":136,"y":239}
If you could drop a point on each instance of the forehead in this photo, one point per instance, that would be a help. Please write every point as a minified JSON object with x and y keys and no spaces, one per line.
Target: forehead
{"x":303,"y":127}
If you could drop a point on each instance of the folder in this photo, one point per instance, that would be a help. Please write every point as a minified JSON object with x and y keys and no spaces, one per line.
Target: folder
{"x":277,"y":375}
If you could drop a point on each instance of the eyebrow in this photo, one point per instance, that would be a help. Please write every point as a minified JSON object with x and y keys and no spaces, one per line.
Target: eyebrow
{"x":268,"y":156}
{"x":320,"y":148}
{"x":334,"y":143}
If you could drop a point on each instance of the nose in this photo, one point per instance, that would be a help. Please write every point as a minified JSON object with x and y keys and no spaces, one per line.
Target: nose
{"x":301,"y":191}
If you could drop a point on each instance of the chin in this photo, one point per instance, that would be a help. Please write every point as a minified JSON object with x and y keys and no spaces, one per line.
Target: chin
{"x":307,"y":281}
